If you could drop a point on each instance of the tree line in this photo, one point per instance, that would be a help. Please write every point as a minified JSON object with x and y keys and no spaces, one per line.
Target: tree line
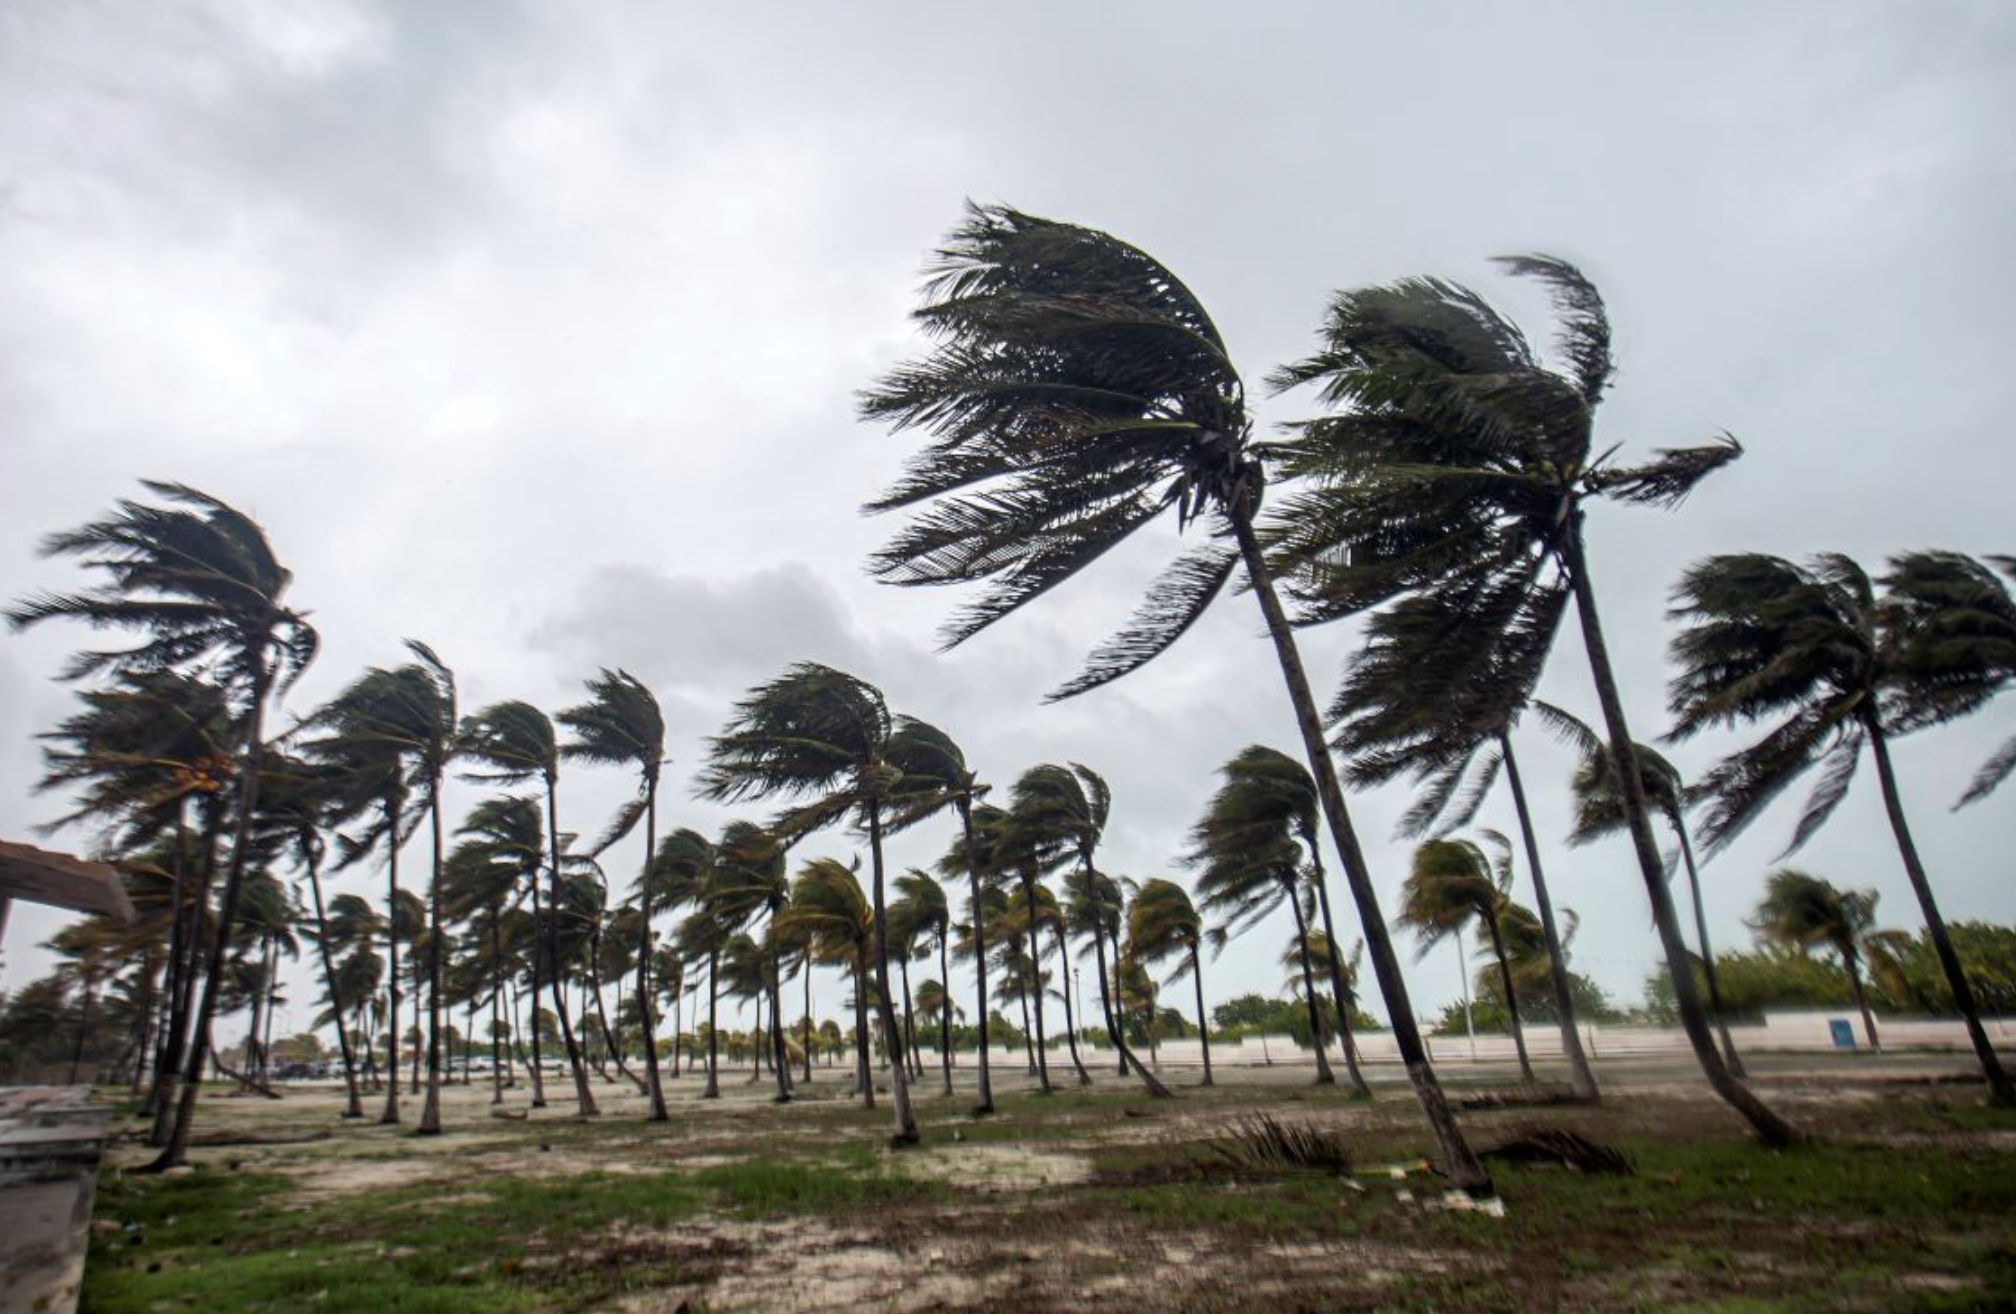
{"x":1072,"y":392}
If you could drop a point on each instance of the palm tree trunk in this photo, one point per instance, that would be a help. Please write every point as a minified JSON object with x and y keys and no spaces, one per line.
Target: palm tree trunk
{"x":610,"y":1040}
{"x":168,"y":1052}
{"x":899,"y":1085}
{"x":1109,"y":1002}
{"x":496,"y":1002}
{"x":654,"y":1086}
{"x":1850,"y":962}
{"x":864,"y":1070}
{"x":1203,"y":1024}
{"x":1035,"y":987}
{"x":234,"y":879}
{"x":390,"y":1114}
{"x":1070,"y":1022}
{"x":538,"y":949}
{"x":1466,"y":1171}
{"x":1770,"y":1128}
{"x":430,"y":1112}
{"x":909,"y":1018}
{"x":1580,"y":1078}
{"x":944,"y":1007}
{"x":986,"y":1104}
{"x":584,"y":1098}
{"x":1341,"y":993}
{"x":780,"y":1058}
{"x":354,"y":1102}
{"x":1708,"y":970}
{"x":1324,"y":1076}
{"x":805,"y":971}
{"x":713,"y":1090}
{"x":1511,"y":996}
{"x":2000,"y":1091}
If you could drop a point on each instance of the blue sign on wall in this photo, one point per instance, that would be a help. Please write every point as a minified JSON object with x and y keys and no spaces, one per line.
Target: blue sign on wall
{"x":1842,"y":1032}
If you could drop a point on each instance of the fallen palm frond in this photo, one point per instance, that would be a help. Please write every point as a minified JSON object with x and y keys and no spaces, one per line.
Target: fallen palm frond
{"x":1569,"y":1149}
{"x":1264,"y":1144}
{"x":1524,"y":1097}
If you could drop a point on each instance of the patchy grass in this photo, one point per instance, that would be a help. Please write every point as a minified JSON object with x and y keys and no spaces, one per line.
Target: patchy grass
{"x":1910,"y":1204}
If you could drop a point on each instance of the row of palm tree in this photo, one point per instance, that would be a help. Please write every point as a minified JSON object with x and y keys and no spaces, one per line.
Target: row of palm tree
{"x":1076,"y":391}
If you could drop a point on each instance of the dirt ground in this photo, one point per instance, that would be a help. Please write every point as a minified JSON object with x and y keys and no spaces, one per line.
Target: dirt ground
{"x":1099,"y":1197}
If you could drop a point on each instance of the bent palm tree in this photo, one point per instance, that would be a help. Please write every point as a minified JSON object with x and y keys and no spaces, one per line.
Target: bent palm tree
{"x":1078,"y":392}
{"x":1958,"y":622}
{"x":1456,"y":463}
{"x":830,"y":911}
{"x":514,"y":744}
{"x":1767,"y":638}
{"x":1599,"y":811}
{"x":820,"y":738}
{"x":1452,"y":882}
{"x":1802,"y":910}
{"x":1269,"y":799}
{"x":1424,"y":698}
{"x":621,"y":725}
{"x":1162,"y":922}
{"x":922,"y":913}
{"x":201,"y":581}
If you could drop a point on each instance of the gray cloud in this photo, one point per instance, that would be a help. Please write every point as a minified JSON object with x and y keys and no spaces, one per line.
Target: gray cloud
{"x":534,"y":333}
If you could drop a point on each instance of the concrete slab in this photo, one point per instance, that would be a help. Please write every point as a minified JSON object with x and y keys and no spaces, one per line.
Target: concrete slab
{"x":50,"y":1140}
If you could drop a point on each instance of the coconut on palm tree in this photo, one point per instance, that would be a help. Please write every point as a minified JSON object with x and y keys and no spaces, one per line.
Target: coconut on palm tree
{"x":1078,"y":392}
{"x":1801,"y":910}
{"x":202,"y":584}
{"x":819,"y":739}
{"x":1453,"y":883}
{"x":621,"y":725}
{"x":1423,"y":699}
{"x":1816,"y":651}
{"x":1162,"y":923}
{"x":1454,"y":461}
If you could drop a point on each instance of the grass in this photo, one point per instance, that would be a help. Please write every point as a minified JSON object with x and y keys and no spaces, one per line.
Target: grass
{"x":1907,"y":1205}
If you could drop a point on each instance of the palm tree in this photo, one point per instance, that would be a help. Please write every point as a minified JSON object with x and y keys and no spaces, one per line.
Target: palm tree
{"x":819,"y":738}
{"x":1451,"y":883}
{"x":512,"y":743}
{"x":1060,"y":813}
{"x":387,"y":740}
{"x":1419,"y":700}
{"x":201,"y":582}
{"x":1599,"y":811}
{"x":1802,"y":910}
{"x":750,"y":881}
{"x":1958,"y":622}
{"x":1243,"y":876}
{"x":921,"y":912}
{"x":621,"y":725}
{"x":1162,"y":922}
{"x":1766,"y":638}
{"x":1078,"y":391}
{"x":979,"y":855}
{"x":482,"y":884}
{"x":830,"y":911}
{"x":1456,"y":463}
{"x":686,"y":875}
{"x":1267,"y":805}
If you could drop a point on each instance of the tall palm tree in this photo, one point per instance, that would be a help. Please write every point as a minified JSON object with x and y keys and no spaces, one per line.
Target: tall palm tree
{"x":1419,"y":700}
{"x":621,"y":725}
{"x":1957,"y":620}
{"x":1077,"y":392}
{"x":922,"y":915}
{"x":1456,"y":462}
{"x":819,"y":738}
{"x":829,"y":909}
{"x":512,"y":743}
{"x":1059,"y":814}
{"x":482,"y":886}
{"x":1162,"y":922}
{"x":1599,"y":811}
{"x":1451,"y":884}
{"x":1813,"y":648}
{"x":202,"y":584}
{"x":1801,"y":910}
{"x":1268,"y":801}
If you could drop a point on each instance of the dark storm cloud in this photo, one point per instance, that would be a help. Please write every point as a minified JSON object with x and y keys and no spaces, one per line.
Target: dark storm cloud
{"x":533,"y":332}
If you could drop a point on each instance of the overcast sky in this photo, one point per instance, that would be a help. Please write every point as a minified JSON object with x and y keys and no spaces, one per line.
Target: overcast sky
{"x":533,"y":332}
